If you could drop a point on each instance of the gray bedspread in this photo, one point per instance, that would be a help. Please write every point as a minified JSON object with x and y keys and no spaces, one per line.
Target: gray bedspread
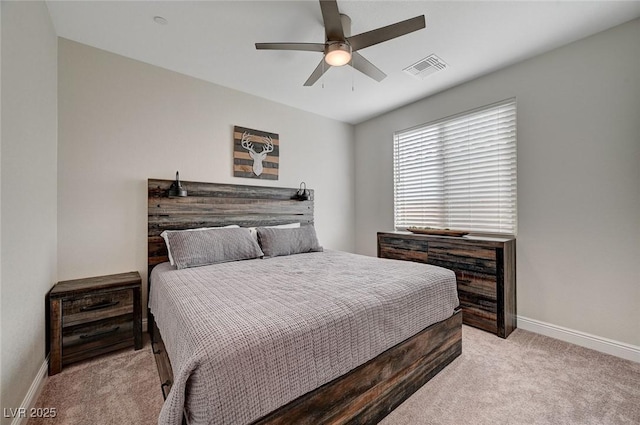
{"x":247,"y":337}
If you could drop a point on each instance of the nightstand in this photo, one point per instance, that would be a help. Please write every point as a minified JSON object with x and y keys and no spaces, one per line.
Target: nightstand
{"x":92,"y":316}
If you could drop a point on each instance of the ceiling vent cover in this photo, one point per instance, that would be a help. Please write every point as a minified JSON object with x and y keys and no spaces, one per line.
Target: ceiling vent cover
{"x":426,"y":66}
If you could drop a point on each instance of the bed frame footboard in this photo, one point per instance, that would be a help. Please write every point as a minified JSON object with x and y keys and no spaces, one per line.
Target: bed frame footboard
{"x":368,"y":393}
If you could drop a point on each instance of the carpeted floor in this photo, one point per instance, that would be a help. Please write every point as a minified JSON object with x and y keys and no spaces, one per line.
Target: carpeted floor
{"x":526,"y":379}
{"x":120,"y":388}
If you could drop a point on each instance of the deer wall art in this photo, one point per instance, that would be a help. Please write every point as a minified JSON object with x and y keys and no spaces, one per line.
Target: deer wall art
{"x":257,"y":157}
{"x":255,"y":154}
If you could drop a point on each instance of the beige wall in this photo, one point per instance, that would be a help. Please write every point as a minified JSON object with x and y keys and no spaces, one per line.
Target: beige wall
{"x":28,"y":191}
{"x":578,"y":179}
{"x":122,"y":121}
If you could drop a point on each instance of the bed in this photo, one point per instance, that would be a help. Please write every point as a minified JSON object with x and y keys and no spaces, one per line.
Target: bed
{"x":330,"y":337}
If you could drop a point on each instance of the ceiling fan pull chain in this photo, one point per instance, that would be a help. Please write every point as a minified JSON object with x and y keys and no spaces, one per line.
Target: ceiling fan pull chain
{"x":352,"y":77}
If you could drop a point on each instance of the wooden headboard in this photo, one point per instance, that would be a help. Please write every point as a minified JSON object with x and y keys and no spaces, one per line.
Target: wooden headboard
{"x":214,"y":204}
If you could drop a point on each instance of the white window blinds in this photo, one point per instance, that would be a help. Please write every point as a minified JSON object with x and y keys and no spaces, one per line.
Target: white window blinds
{"x":458,"y":172}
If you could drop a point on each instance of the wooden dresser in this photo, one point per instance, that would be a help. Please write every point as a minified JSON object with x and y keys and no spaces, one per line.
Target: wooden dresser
{"x":485,"y":271}
{"x":92,"y":316}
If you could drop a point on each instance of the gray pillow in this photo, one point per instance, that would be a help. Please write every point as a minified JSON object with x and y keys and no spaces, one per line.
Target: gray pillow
{"x":276,"y":242}
{"x":211,"y":246}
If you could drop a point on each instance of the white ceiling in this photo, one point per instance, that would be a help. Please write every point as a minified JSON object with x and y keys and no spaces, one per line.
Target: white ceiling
{"x":214,"y":41}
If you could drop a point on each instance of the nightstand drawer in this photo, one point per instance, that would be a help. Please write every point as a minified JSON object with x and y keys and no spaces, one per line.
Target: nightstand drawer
{"x":96,"y":307}
{"x":84,"y":341}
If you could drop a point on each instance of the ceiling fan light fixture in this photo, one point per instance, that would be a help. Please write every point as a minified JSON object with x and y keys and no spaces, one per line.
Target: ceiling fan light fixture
{"x":337,"y":54}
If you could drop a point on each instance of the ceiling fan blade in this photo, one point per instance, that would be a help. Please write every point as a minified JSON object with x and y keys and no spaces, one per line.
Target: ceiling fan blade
{"x":305,"y":47}
{"x":369,"y":38}
{"x":367,"y":68}
{"x":317,"y":73}
{"x":332,"y":21}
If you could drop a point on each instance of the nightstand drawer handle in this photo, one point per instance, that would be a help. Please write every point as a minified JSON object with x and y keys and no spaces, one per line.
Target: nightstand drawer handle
{"x":166,"y":384}
{"x":98,"y":306}
{"x":93,"y":335}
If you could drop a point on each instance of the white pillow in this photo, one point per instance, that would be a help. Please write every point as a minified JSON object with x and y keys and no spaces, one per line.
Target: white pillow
{"x":254,"y":232}
{"x":166,"y":238}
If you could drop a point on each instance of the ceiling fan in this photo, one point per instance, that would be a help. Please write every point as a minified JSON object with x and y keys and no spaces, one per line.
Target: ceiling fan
{"x":341,"y":48}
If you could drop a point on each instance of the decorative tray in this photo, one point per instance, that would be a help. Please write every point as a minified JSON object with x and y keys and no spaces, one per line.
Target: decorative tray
{"x":439,"y":232}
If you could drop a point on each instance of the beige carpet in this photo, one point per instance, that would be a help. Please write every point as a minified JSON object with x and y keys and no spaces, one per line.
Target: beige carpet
{"x":526,"y":379}
{"x":114,"y":389}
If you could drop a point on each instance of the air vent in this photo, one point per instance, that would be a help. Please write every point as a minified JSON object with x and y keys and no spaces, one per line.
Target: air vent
{"x":426,"y":66}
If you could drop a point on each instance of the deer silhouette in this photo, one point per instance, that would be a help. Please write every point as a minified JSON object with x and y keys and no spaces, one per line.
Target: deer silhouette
{"x":257,"y":157}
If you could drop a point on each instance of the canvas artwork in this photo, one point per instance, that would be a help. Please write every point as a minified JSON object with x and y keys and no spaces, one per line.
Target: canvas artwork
{"x":255,"y":153}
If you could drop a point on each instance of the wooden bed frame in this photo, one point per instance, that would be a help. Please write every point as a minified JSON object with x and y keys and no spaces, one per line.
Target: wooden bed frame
{"x":363,"y":396}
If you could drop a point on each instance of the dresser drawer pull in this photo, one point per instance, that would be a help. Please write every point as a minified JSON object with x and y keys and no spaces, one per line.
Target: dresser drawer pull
{"x":100,"y":305}
{"x":96,"y":334}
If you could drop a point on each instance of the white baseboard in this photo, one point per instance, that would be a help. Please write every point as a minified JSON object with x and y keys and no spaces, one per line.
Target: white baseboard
{"x":34,"y":391}
{"x":583,"y":339}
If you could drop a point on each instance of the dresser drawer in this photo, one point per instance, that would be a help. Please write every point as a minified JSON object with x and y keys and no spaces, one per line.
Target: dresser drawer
{"x":96,"y":306}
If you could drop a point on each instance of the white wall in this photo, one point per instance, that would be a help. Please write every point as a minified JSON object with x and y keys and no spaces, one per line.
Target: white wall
{"x":1,"y":387}
{"x":122,"y":121}
{"x":578,"y":245}
{"x":28,"y":191}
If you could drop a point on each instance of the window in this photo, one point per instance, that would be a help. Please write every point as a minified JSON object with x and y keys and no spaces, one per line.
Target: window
{"x":458,"y":172}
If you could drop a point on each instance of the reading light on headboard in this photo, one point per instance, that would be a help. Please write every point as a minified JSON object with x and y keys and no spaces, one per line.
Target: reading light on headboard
{"x":302,"y":194}
{"x":176,"y":188}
